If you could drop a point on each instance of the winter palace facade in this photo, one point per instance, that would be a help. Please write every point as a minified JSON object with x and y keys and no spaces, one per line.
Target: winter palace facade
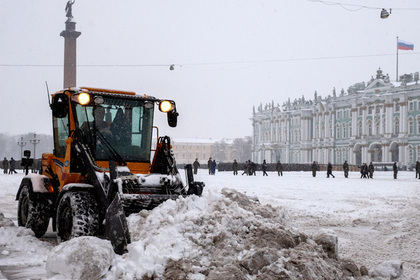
{"x":377,"y":121}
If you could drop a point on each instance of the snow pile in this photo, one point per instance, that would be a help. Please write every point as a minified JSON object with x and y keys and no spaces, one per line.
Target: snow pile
{"x":80,"y":258}
{"x":224,"y":235}
{"x":389,"y":270}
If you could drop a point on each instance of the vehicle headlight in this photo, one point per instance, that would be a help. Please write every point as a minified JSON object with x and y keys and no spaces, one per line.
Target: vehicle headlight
{"x":83,"y":98}
{"x":166,"y":106}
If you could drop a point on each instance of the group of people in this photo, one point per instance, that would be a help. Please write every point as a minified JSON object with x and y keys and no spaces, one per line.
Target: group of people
{"x":250,"y":168}
{"x":212,"y":166}
{"x":9,"y":167}
{"x":366,"y":171}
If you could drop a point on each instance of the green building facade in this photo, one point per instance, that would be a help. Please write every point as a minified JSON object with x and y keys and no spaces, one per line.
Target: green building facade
{"x":377,"y":121}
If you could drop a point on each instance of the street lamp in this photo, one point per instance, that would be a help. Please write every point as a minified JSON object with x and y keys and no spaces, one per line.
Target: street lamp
{"x":21,"y":143}
{"x":34,"y":141}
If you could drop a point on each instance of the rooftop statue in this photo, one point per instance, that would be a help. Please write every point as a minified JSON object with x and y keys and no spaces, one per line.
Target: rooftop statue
{"x":68,"y":9}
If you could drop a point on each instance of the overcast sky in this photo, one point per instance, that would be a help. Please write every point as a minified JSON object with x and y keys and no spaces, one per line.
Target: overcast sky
{"x":229,"y":55}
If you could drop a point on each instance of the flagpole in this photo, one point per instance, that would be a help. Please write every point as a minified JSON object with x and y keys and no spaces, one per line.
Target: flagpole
{"x":397,"y":59}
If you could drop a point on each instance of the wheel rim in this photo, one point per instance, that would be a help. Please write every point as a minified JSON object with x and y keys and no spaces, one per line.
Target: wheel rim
{"x":24,"y":210}
{"x":66,"y":222}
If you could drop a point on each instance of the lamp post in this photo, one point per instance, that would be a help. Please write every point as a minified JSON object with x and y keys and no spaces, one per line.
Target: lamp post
{"x":21,"y":143}
{"x":34,"y":142}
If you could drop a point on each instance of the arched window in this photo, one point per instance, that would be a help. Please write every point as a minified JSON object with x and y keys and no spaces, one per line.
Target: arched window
{"x":418,"y":125}
{"x":418,"y":153}
{"x":344,"y":131}
{"x":359,"y":129}
{"x":396,"y":125}
{"x":370,"y":128}
{"x":410,"y":126}
{"x":377,"y":127}
{"x":337,"y":131}
{"x":410,"y":154}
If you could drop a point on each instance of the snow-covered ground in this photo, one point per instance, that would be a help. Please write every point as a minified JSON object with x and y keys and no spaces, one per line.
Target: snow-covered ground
{"x":222,"y":234}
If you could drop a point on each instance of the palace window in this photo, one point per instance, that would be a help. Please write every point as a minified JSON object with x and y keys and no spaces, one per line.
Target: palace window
{"x":418,"y":125}
{"x":344,"y":131}
{"x":397,"y":125}
{"x":410,"y":126}
{"x":370,"y":128}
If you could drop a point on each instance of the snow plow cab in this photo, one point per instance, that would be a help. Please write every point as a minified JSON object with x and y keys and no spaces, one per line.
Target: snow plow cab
{"x":103,"y":167}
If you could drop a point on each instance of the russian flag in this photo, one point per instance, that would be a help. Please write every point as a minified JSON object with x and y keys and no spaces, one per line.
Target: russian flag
{"x":404,"y":45}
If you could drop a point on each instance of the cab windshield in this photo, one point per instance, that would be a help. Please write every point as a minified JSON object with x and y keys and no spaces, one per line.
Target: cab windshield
{"x":118,"y":126}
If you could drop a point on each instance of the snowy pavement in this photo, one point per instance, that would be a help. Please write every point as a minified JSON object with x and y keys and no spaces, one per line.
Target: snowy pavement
{"x":375,"y":220}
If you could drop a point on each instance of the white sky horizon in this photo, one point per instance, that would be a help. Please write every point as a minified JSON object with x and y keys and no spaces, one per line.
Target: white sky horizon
{"x":228,"y":56}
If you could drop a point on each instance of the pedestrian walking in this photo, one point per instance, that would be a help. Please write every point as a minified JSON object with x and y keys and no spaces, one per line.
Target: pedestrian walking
{"x":417,"y":169}
{"x":364,"y":171}
{"x":253,"y":168}
{"x":371,"y":169}
{"x":12,"y":166}
{"x":213,"y":167}
{"x":246,"y":167}
{"x":329,"y":170}
{"x":346,"y":169}
{"x":395,"y":169}
{"x":209,"y":164}
{"x":264,"y":168}
{"x":196,"y":165}
{"x":5,"y":165}
{"x":279,"y":168}
{"x":314,"y":167}
{"x":235,"y":167}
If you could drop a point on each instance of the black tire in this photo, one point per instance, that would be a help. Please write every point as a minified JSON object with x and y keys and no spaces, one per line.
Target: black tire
{"x":33,"y":214}
{"x":77,"y":215}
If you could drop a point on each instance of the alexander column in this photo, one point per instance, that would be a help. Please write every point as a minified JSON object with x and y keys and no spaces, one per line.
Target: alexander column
{"x":70,"y":36}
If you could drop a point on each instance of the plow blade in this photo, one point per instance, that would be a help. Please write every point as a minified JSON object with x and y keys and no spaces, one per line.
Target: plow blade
{"x":116,"y":227}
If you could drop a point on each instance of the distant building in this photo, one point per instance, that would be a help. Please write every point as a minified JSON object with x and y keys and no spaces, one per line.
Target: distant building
{"x":187,"y":150}
{"x":378,"y":121}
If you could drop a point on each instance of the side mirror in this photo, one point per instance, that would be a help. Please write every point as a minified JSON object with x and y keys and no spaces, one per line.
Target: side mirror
{"x":172,"y":118}
{"x":60,"y":105}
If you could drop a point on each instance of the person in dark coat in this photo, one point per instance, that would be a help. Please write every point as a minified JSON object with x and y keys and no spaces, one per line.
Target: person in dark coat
{"x":253,"y":168}
{"x":264,"y":168}
{"x":314,"y":167}
{"x":209,"y":164}
{"x":12,"y":166}
{"x":346,"y":169}
{"x":246,"y":167}
{"x":196,"y":165}
{"x":235,"y":167}
{"x":417,"y":169}
{"x":279,"y":168}
{"x":213,"y":167}
{"x":5,"y":165}
{"x":395,"y":169}
{"x":329,"y":170}
{"x":371,"y":169}
{"x":364,"y":171}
